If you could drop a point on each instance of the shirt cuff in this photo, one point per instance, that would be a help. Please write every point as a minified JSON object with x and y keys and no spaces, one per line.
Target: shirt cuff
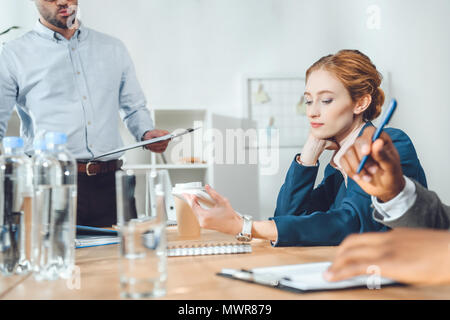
{"x":298,"y":160}
{"x":396,"y":207}
{"x":275,"y":243}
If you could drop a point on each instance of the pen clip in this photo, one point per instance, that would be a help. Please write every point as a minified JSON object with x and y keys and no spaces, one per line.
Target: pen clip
{"x":184,"y":132}
{"x":264,"y":279}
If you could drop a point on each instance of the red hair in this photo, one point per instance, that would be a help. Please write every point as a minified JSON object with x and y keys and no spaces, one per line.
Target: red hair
{"x":358,"y":74}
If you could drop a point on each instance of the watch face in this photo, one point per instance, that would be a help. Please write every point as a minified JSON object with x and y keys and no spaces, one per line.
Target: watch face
{"x":243,"y":238}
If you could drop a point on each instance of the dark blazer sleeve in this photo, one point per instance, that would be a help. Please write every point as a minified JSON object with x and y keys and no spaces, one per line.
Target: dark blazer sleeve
{"x":307,"y":217}
{"x":329,"y":227}
{"x":298,"y":196}
{"x":408,"y":156}
{"x":427,"y":212}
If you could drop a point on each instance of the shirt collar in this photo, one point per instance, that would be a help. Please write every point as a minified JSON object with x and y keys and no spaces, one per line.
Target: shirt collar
{"x":47,"y":33}
{"x":345,"y":144}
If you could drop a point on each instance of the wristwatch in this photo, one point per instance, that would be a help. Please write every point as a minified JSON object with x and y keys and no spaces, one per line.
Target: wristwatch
{"x":246,"y":234}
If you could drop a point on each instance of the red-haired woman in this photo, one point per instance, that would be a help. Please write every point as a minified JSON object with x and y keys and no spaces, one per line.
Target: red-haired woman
{"x":343,"y":95}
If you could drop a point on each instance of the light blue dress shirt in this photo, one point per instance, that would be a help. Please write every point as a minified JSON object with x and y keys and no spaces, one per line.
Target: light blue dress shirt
{"x":76,"y":86}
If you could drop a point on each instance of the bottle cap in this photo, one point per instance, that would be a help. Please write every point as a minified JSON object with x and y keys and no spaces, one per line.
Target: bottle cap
{"x":55,"y":138}
{"x":39,"y":144}
{"x":12,"y":142}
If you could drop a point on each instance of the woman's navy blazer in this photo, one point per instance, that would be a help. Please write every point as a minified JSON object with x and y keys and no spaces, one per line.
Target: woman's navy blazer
{"x":325,"y":215}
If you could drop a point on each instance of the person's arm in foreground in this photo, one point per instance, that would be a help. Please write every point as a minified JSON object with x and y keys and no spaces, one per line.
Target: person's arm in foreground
{"x":410,"y":256}
{"x":403,"y":202}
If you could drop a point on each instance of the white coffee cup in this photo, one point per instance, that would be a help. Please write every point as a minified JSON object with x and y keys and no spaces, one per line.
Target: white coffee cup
{"x":187,"y":221}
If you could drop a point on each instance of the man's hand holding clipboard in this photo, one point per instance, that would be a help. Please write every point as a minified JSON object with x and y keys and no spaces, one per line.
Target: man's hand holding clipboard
{"x":155,"y":140}
{"x":157,"y":147}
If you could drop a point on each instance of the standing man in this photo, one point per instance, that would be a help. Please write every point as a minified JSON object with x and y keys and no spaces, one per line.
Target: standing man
{"x":64,"y":77}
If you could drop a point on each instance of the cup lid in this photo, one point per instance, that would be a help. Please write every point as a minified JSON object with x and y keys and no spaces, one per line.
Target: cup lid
{"x":189,"y":185}
{"x":55,"y":138}
{"x":39,"y":144}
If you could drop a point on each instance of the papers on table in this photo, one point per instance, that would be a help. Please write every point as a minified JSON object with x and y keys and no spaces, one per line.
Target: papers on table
{"x":303,"y":277}
{"x":91,"y":237}
{"x":92,"y":241}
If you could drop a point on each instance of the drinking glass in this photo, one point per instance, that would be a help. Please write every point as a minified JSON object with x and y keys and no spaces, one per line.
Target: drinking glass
{"x":141,"y":219}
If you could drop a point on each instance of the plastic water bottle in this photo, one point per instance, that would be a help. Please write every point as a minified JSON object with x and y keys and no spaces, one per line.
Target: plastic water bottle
{"x":16,"y":198}
{"x":64,"y":201}
{"x":47,"y":176}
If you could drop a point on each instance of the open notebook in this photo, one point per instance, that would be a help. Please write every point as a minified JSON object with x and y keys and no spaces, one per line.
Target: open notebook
{"x":303,"y":277}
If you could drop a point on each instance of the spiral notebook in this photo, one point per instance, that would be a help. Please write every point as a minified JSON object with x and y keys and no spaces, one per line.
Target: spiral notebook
{"x":208,"y":243}
{"x":200,"y":249}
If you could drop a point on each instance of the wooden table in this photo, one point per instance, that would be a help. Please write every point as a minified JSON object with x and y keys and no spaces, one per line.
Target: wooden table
{"x":194,"y":277}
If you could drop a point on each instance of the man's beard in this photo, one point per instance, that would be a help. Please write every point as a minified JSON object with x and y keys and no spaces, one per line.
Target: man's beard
{"x":53,"y":20}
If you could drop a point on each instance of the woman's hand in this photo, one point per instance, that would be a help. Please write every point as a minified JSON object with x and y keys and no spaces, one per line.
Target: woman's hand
{"x":382,"y":175}
{"x":221,"y":217}
{"x":411,"y":256}
{"x":313,"y":148}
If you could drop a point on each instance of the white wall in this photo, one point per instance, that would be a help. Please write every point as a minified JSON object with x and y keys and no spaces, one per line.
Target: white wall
{"x":16,"y":12}
{"x":414,"y":45}
{"x":194,"y":53}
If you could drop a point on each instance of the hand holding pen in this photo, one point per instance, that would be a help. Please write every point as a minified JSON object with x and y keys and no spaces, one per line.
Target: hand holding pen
{"x":376,"y":135}
{"x":381,"y":175}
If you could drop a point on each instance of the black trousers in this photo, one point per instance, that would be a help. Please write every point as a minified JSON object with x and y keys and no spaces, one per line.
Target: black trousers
{"x":96,"y":200}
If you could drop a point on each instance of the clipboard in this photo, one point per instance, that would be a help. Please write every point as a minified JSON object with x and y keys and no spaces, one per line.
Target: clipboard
{"x":303,"y":278}
{"x":247,"y":276}
{"x":145,"y":142}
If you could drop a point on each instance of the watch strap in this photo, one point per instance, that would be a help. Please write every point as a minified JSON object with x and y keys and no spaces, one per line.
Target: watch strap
{"x":247,"y":226}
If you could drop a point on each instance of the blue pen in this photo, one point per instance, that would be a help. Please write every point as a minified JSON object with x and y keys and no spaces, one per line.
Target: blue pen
{"x":385,"y":121}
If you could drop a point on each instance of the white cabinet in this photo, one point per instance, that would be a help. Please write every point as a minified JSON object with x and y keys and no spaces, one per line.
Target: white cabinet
{"x":215,"y":152}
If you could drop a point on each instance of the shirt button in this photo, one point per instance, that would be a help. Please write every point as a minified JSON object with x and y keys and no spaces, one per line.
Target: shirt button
{"x":78,"y":72}
{"x":89,"y":123}
{"x":90,"y":146}
{"x":84,"y":98}
{"x":73,"y":49}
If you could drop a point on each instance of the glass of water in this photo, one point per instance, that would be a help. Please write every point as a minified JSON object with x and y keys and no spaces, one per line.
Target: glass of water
{"x":141,"y":218}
